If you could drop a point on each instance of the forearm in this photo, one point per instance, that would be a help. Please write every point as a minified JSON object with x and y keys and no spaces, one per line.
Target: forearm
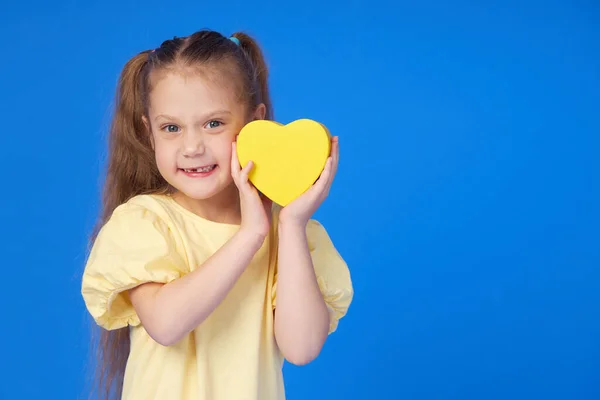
{"x":301,"y":315}
{"x":169,"y":312}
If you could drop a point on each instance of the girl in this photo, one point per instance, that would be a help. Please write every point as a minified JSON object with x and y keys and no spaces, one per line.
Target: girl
{"x":201,"y":285}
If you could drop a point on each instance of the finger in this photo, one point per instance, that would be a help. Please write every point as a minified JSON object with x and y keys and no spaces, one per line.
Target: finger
{"x":335,"y":157}
{"x":246,"y":171}
{"x":235,"y":163}
{"x":323,"y":180}
{"x":334,"y":142}
{"x":331,"y":177}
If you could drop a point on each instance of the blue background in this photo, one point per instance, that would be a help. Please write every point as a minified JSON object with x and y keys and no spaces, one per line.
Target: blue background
{"x":466,"y":202}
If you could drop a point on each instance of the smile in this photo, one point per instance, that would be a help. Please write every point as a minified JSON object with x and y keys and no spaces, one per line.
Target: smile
{"x":206,"y":169}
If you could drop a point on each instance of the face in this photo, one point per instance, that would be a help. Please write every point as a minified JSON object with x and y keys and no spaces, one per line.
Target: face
{"x":193,"y":121}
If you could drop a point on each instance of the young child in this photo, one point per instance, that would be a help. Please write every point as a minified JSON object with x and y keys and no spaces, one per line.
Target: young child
{"x":201,"y":286}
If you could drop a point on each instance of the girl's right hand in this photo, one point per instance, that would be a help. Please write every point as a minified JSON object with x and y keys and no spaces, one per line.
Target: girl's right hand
{"x":255,"y":207}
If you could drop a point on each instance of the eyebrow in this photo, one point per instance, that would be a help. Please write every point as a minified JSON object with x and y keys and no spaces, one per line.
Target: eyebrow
{"x":165,"y":116}
{"x":207,"y":116}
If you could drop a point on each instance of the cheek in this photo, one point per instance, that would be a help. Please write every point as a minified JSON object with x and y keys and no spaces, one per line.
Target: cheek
{"x":163,"y":155}
{"x":223,"y":153}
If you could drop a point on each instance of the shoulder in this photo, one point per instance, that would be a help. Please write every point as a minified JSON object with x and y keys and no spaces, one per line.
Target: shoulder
{"x":136,"y":231}
{"x":144,"y":207}
{"x":314,"y":224}
{"x":152,"y":204}
{"x":140,"y":216}
{"x":316,"y":230}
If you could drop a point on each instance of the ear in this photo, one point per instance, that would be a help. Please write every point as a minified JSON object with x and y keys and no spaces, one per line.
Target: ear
{"x":260,"y":112}
{"x":148,"y":130}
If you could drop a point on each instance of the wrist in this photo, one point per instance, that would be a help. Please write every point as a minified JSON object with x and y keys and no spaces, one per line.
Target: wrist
{"x":251,"y":238}
{"x":292,"y":225}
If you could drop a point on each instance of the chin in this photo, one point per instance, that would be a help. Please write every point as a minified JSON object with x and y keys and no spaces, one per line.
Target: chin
{"x":197,"y":192}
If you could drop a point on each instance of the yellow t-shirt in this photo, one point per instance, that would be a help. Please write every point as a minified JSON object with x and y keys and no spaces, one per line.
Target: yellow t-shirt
{"x":232,"y":355}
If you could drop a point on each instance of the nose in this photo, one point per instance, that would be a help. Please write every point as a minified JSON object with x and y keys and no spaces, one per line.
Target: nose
{"x":192,"y":144}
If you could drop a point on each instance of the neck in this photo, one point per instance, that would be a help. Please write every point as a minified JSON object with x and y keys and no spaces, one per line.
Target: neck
{"x":222,"y":208}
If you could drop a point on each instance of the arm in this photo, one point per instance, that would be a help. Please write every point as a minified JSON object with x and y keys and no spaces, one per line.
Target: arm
{"x":301,"y":315}
{"x":170,"y":311}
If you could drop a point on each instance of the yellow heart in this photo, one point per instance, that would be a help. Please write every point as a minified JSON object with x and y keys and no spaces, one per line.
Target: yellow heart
{"x":288,"y":159}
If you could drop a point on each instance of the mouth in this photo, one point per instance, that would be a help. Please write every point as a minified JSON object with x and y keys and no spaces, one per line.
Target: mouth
{"x":202,"y":170}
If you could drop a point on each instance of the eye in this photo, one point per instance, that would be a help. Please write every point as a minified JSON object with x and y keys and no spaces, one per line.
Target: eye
{"x":170,"y":128}
{"x":214,"y":124}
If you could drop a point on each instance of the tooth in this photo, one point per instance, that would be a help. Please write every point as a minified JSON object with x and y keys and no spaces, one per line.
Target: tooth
{"x":201,"y":169}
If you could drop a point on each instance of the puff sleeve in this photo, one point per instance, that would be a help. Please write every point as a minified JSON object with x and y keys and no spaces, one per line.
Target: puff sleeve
{"x":333,"y":275}
{"x":134,"y":247}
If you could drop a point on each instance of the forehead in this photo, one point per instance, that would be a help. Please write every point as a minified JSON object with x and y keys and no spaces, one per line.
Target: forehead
{"x":177,"y":92}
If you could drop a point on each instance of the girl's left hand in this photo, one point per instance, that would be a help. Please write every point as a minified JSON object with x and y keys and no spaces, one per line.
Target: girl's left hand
{"x":300,"y":210}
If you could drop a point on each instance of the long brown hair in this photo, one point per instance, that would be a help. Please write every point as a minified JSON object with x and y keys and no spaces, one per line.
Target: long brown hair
{"x":132,"y":169}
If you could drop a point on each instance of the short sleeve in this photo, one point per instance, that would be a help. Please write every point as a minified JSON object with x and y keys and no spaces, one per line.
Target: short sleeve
{"x":333,"y":275}
{"x":134,"y":247}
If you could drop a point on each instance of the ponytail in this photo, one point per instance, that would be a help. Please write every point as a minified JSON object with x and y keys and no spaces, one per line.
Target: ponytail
{"x":131,"y":170}
{"x":260,"y":76}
